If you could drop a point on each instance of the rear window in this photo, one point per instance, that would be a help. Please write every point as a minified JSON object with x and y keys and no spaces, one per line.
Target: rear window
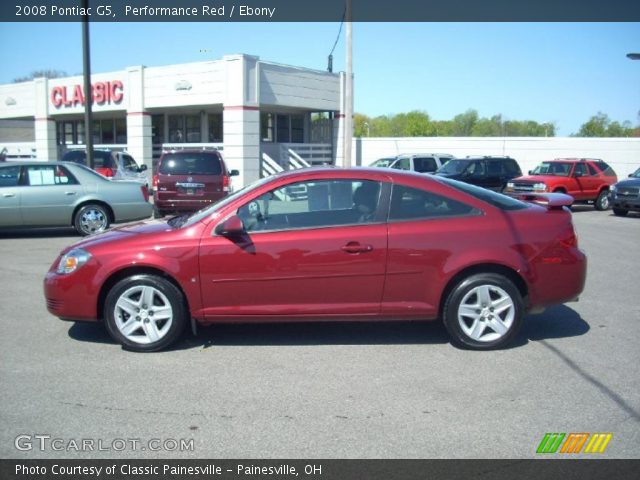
{"x":192,"y":163}
{"x":605,"y":169}
{"x":498,"y":200}
{"x":101,"y":159}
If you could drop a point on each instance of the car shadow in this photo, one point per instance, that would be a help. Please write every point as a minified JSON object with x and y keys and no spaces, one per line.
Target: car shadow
{"x":580,"y":208}
{"x":556,"y":322}
{"x":17,"y":233}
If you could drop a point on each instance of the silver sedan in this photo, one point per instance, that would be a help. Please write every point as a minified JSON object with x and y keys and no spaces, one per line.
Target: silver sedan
{"x":52,"y":194}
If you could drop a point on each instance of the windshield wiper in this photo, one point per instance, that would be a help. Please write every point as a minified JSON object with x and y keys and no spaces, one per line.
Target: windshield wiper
{"x":178,"y":221}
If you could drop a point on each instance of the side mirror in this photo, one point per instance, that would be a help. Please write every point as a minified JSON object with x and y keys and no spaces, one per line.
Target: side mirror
{"x":231,"y":227}
{"x":234,"y":173}
{"x":142,"y":168}
{"x":530,"y":172}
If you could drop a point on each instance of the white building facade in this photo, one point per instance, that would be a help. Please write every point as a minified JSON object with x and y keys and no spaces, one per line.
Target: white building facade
{"x":252,"y":110}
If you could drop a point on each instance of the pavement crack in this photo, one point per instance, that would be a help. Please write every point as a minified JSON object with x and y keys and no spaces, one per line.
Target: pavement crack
{"x":106,"y":408}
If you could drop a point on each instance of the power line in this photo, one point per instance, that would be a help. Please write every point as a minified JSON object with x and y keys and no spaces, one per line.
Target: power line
{"x":330,"y":66}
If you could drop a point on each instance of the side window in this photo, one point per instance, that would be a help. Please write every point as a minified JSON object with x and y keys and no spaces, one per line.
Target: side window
{"x":409,"y":203}
{"x":592,"y":171}
{"x":129,"y":163}
{"x":494,"y":167}
{"x":511,"y":167}
{"x":580,"y":169}
{"x":313,"y":204}
{"x":9,"y":176}
{"x":402,"y":164}
{"x":476,"y":169}
{"x":425,"y":164}
{"x":47,"y":175}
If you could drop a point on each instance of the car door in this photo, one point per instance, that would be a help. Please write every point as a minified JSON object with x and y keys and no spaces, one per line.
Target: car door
{"x":313,"y":248}
{"x":584,"y":184}
{"x":48,"y":196}
{"x":493,"y":175}
{"x":10,"y":192}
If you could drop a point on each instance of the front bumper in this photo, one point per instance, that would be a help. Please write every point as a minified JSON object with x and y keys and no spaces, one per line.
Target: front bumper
{"x":625,"y":202}
{"x":73,"y":296}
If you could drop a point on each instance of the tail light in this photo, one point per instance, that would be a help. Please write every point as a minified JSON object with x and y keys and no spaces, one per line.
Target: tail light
{"x":570,"y":239}
{"x":108,"y":172}
{"x":155,"y":181}
{"x":145,"y":192}
{"x":225,"y":183}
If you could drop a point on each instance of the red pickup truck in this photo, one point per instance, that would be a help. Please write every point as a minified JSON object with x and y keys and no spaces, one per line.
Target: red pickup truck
{"x":587,"y":180}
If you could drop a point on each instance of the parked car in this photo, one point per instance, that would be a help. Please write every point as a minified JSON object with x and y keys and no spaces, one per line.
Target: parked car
{"x":365,"y":244}
{"x":58,"y":194}
{"x":587,"y":180}
{"x":112,"y":164}
{"x":188,"y":180}
{"x":416,"y":162}
{"x":625,"y":195}
{"x":491,"y":172}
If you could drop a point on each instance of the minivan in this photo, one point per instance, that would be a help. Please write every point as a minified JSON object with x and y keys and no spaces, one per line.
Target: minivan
{"x":188,"y":180}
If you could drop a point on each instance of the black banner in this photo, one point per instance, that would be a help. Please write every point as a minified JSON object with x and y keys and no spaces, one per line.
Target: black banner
{"x":319,"y":469}
{"x":321,"y":11}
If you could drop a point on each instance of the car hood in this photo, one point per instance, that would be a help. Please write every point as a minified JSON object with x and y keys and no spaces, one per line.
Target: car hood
{"x":130,"y":231}
{"x":629,"y":182}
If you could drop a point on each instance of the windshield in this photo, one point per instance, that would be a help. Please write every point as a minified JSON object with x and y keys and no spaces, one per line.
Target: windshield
{"x":383,"y":162}
{"x":635,"y":174}
{"x":454,"y":167}
{"x":560,"y":169}
{"x":190,"y":219}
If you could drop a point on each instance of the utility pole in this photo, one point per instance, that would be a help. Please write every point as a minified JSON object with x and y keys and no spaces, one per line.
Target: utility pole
{"x":86,"y":64}
{"x":348,"y":96}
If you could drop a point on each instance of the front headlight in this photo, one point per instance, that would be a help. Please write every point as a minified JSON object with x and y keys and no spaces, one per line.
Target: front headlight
{"x":612,"y":188}
{"x":540,"y":187}
{"x":511,"y":185}
{"x":72,"y":260}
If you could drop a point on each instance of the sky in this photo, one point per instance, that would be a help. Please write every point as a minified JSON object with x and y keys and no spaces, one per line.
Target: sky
{"x":547,"y":72}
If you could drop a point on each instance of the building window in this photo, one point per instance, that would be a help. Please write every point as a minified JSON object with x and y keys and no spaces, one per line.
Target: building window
{"x":121,"y":130}
{"x":215,"y":127}
{"x":69,"y":133}
{"x":194,"y":134}
{"x":266,"y":127}
{"x":176,"y":129}
{"x":282,"y":127}
{"x":108,"y":135}
{"x":157,"y":129}
{"x":80,"y":139}
{"x":297,"y":129}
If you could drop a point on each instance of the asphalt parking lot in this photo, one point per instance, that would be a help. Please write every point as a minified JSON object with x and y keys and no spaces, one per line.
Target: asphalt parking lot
{"x":390,"y":390}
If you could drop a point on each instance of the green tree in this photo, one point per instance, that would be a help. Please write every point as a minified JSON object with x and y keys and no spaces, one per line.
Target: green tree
{"x":49,"y":73}
{"x":463,"y":123}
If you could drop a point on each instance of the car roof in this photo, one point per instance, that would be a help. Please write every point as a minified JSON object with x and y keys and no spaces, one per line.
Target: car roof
{"x":574,"y":160}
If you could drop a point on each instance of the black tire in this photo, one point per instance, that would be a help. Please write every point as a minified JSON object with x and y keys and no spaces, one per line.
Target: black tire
{"x":139,"y":336}
{"x":466,"y":295}
{"x":620,"y":212}
{"x":91,"y":218}
{"x":602,"y":202}
{"x":157,"y":213}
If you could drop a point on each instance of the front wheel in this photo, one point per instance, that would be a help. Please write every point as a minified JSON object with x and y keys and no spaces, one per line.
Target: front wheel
{"x":483,"y":311}
{"x":602,"y":202}
{"x":145,"y":313}
{"x":91,"y":218}
{"x":620,"y":212}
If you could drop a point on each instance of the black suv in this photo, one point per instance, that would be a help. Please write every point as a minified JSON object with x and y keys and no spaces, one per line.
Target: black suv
{"x":488,"y":172}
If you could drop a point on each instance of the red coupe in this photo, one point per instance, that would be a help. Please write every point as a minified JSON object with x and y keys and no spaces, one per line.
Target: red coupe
{"x":329,"y":244}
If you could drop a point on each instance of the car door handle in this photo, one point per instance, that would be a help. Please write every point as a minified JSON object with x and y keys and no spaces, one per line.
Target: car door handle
{"x":9,"y":195}
{"x":69,"y":193}
{"x":355,"y":247}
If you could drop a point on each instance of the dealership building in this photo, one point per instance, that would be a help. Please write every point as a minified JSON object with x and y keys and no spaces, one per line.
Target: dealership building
{"x":261,"y":115}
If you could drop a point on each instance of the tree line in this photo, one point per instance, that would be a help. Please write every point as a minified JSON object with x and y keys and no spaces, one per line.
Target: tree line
{"x":469,"y":124}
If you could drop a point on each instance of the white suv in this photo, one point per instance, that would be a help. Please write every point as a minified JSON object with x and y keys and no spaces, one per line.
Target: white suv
{"x":415,"y":162}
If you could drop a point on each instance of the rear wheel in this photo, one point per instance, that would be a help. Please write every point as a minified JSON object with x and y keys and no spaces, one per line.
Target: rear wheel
{"x":145,"y":313}
{"x":91,"y":218}
{"x":620,"y":212}
{"x":602,"y":202}
{"x":483,"y":312}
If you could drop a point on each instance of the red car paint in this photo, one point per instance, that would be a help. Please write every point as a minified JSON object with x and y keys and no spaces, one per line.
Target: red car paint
{"x":394,"y":270}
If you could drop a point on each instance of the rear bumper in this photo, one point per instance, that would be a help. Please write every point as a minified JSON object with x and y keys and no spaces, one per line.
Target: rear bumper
{"x":129,"y":212}
{"x":561,"y":277}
